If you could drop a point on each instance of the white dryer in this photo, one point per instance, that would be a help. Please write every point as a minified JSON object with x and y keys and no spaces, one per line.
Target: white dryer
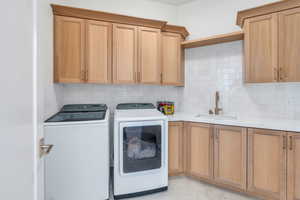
{"x":140,"y":150}
{"x":78,"y":166}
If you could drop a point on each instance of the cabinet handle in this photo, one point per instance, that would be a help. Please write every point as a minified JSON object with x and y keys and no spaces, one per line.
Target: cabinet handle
{"x":139,"y":76}
{"x":161,"y":77}
{"x":275,"y":71}
{"x":82,"y":75}
{"x":291,"y":143}
{"x":282,"y":74}
{"x":87,"y":75}
{"x":284,"y":142}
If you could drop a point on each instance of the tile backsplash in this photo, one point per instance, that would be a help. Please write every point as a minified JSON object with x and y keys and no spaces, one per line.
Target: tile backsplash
{"x":207,"y":70}
{"x":220,"y":68}
{"x":115,"y":94}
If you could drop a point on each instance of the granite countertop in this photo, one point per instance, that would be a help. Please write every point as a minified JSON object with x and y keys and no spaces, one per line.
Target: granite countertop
{"x":263,"y":123}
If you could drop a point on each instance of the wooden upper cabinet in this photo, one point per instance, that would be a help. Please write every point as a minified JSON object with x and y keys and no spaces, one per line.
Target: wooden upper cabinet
{"x":199,"y":151}
{"x":293,"y":174}
{"x":149,"y":56}
{"x":289,"y":45}
{"x":230,"y":156}
{"x":98,"y":51}
{"x":172,"y":59}
{"x":261,"y":49}
{"x":99,"y":47}
{"x":69,"y":50}
{"x":82,"y":50}
{"x":272,"y":42}
{"x":125,"y":38}
{"x":176,"y":141}
{"x":267,"y":163}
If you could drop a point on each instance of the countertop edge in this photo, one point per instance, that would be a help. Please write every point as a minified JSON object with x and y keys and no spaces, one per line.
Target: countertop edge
{"x":262,"y":123}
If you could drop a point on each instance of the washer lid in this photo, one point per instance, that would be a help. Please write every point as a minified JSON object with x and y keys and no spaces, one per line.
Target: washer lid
{"x":77,"y":116}
{"x":79,"y":112}
{"x":83,"y":108}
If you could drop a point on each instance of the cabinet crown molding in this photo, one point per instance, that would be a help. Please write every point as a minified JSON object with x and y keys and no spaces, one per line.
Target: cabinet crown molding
{"x":266,"y":9}
{"x":117,"y":18}
{"x":105,"y":16}
{"x":176,"y":29}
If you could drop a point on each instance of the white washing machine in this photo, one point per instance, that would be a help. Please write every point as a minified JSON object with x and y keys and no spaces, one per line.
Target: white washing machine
{"x":78,"y":166}
{"x":140,"y":150}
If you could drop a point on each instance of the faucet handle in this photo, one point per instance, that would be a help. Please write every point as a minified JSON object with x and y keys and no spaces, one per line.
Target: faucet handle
{"x":210,"y":112}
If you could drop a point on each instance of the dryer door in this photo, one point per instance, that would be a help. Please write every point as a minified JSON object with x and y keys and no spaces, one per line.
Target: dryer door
{"x":141,"y":146}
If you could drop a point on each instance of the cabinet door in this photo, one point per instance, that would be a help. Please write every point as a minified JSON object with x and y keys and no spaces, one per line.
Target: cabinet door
{"x":267,"y":163}
{"x":149,"y":69}
{"x":294,"y":167}
{"x":172,"y":59}
{"x":175,"y":148}
{"x":230,"y":156}
{"x":261,"y":49}
{"x":69,"y":50}
{"x":289,"y":45}
{"x":199,"y":150}
{"x":98,"y":51}
{"x":125,"y":54}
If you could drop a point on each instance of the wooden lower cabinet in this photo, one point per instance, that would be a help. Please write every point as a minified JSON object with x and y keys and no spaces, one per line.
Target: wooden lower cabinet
{"x":199,"y":150}
{"x":293,"y":175}
{"x":267,"y":163}
{"x":176,"y":146}
{"x":257,"y":162}
{"x":230,"y":156}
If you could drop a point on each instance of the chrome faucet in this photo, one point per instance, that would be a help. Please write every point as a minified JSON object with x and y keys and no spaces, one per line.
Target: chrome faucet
{"x":217,"y":110}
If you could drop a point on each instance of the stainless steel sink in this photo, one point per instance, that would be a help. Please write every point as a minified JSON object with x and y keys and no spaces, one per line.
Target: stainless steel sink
{"x":220,"y":117}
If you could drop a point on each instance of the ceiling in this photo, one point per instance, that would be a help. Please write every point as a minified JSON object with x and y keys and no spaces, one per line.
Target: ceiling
{"x":174,"y":2}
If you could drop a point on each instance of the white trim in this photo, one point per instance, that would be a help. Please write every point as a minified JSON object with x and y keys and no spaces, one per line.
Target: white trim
{"x":35,"y":98}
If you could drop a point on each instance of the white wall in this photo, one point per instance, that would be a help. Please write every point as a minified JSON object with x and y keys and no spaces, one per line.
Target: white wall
{"x":17,"y":100}
{"x":57,"y":94}
{"x":52,"y":92}
{"x":210,"y":17}
{"x":220,"y":67}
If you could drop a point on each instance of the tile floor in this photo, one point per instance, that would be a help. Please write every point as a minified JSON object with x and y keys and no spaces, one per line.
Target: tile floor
{"x":183,"y":188}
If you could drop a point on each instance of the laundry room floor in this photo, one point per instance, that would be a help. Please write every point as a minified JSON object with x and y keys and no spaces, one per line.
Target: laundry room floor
{"x":183,"y":188}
